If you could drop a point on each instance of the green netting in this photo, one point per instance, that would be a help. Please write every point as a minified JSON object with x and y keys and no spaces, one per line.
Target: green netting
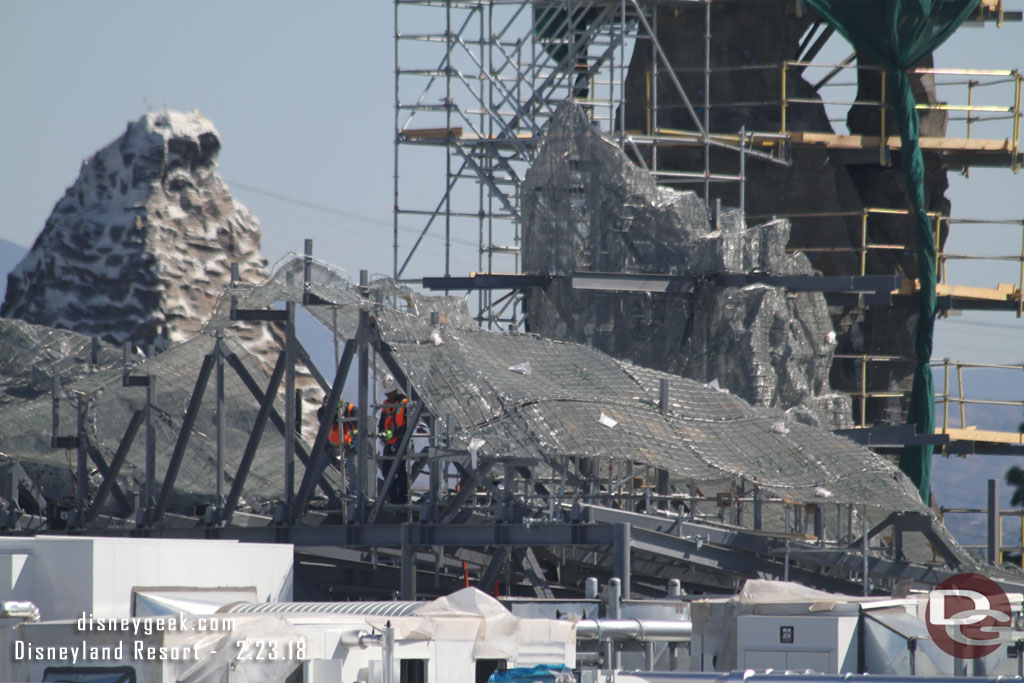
{"x":899,"y":34}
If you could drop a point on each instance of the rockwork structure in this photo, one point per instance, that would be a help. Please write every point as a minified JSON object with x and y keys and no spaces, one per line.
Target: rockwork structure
{"x":587,"y":207}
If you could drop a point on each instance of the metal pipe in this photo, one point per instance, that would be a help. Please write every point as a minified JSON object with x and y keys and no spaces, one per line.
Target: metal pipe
{"x":707,"y":100}
{"x":82,"y":471}
{"x":218,"y":351}
{"x":960,"y":392}
{"x":993,"y":521}
{"x":289,"y":404}
{"x":881,"y":136}
{"x":643,"y":630}
{"x":864,"y":551}
{"x":146,"y":509}
{"x":389,"y":653}
{"x":614,"y":596}
{"x":743,"y":170}
{"x":362,"y":438}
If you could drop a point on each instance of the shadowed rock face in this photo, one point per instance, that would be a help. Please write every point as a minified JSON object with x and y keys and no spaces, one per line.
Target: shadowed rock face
{"x":757,"y":38}
{"x":141,"y":245}
{"x":586,"y":207}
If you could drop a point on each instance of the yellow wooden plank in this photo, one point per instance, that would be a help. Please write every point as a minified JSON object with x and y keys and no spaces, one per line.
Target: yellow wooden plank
{"x":1002,"y":292}
{"x":835,"y":141}
{"x":974,"y":434}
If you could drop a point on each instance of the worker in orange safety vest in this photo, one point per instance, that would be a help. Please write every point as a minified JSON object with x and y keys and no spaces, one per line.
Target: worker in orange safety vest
{"x":391,"y":427}
{"x":341,"y":438}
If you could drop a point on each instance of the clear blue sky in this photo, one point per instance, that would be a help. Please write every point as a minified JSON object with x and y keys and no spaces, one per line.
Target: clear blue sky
{"x":302,"y":95}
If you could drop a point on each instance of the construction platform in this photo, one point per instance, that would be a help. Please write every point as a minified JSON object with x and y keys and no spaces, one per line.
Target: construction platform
{"x":956,"y":153}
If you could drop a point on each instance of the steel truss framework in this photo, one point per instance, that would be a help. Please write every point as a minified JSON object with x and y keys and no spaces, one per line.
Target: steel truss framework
{"x":503,"y":520}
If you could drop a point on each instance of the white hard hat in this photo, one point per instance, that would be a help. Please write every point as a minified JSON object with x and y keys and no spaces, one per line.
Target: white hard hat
{"x":389,"y":384}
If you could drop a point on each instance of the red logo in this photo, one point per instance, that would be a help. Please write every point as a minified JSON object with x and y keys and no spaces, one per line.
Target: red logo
{"x":968,"y":616}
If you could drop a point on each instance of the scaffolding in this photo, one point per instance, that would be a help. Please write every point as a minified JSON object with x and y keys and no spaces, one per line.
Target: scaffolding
{"x":480,"y":80}
{"x":485,"y":90}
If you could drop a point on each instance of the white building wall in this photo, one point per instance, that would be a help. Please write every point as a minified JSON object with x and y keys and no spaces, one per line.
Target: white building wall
{"x":66,"y":576}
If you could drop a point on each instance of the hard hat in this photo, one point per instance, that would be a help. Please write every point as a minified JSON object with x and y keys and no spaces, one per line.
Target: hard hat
{"x":389,"y":384}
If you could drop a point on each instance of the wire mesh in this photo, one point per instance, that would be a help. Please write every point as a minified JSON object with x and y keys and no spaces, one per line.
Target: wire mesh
{"x":32,"y":355}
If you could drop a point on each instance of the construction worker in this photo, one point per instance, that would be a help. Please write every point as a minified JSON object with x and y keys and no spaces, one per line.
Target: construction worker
{"x":341,"y":438}
{"x":391,"y":427}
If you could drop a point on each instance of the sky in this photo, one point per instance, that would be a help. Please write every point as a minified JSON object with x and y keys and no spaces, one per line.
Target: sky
{"x":302,"y":94}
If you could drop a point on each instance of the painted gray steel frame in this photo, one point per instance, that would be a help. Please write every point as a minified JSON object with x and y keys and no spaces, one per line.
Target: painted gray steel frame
{"x":266,"y":405}
{"x":318,"y":454}
{"x":191,"y":413}
{"x":110,"y":474}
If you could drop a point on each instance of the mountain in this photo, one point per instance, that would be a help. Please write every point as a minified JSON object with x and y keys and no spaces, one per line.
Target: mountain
{"x":10,"y":255}
{"x":140,"y":247}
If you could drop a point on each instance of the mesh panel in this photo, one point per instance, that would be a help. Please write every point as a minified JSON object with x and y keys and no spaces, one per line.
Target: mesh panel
{"x":527,"y":396}
{"x":25,"y":425}
{"x":520,"y":394}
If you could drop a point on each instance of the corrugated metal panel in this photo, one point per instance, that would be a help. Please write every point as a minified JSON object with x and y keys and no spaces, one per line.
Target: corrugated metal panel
{"x":376,"y":609}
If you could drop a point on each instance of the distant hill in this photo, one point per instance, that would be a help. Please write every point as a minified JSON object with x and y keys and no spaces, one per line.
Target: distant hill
{"x":10,"y":255}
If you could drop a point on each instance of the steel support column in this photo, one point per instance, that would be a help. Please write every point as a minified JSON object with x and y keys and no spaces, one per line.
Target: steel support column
{"x":408,"y":591}
{"x":622,"y":544}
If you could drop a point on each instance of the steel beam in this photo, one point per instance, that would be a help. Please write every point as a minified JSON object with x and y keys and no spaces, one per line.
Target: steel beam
{"x":494,"y":567}
{"x":486,"y":281}
{"x":101,"y":465}
{"x":623,"y":542}
{"x":110,"y":477}
{"x":408,"y":587}
{"x":390,"y":535}
{"x":266,"y":405}
{"x":398,"y":461}
{"x":144,"y":515}
{"x":467,"y":487}
{"x":81,"y":470}
{"x":191,"y":413}
{"x":289,"y":400}
{"x":535,"y":573}
{"x":318,"y":455}
{"x":363,"y":425}
{"x":236,"y":364}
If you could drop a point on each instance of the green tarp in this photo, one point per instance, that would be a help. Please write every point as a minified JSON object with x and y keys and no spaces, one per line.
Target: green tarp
{"x":899,"y":34}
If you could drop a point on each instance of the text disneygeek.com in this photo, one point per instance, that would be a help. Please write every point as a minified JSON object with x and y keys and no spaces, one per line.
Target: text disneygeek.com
{"x":139,"y":649}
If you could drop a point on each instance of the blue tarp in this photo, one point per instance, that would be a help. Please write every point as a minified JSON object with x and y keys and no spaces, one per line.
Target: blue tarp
{"x":541,"y":673}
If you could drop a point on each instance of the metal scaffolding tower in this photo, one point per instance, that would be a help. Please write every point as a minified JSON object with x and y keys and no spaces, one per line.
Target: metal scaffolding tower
{"x":479,"y":80}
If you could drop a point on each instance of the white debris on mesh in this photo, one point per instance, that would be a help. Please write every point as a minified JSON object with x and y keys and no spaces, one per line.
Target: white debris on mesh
{"x":435,"y":336}
{"x":830,"y":338}
{"x":779,"y":427}
{"x":522,"y":368}
{"x":474,"y":449}
{"x":713,"y":384}
{"x":822,"y":492}
{"x":607,"y":421}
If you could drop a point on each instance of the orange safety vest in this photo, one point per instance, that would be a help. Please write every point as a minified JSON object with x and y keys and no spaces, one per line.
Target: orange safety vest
{"x":394,"y":417}
{"x":347,"y":429}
